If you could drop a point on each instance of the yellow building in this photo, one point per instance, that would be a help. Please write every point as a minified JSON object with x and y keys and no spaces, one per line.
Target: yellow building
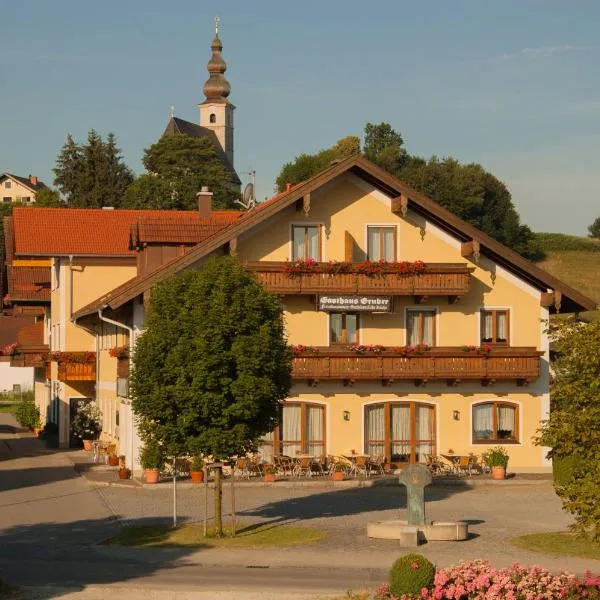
{"x":19,"y":189}
{"x":437,"y":348}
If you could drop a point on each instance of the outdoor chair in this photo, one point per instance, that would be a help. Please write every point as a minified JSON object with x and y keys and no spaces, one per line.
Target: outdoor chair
{"x":464,"y":465}
{"x":303,"y":466}
{"x":377,"y":464}
{"x":241,"y":468}
{"x":360,"y":466}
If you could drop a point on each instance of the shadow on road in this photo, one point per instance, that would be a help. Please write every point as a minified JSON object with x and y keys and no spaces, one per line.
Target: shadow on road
{"x":343,"y":503}
{"x":44,"y":556}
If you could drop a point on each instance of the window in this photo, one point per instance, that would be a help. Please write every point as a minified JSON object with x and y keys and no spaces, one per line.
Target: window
{"x":494,"y":327}
{"x":213,"y":118}
{"x":404,"y":432}
{"x":26,"y":199}
{"x":7,"y":199}
{"x":8,"y":184}
{"x":343,"y":328}
{"x":495,"y":422}
{"x":420,"y":327}
{"x":306,"y":242}
{"x":301,"y":430}
{"x":381,"y":243}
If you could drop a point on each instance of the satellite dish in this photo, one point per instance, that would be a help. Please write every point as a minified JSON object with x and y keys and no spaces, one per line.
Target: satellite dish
{"x":248,"y":200}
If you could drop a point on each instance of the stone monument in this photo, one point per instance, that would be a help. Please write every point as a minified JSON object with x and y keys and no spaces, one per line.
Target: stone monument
{"x":416,"y":529}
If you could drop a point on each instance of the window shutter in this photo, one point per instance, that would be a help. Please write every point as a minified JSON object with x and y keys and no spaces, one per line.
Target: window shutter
{"x":348,"y":247}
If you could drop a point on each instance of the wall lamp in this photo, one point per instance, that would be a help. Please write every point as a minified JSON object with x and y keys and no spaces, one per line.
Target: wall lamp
{"x":456,"y":415}
{"x":346,"y":415}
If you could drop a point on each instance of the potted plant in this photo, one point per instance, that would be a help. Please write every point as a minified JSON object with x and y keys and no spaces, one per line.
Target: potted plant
{"x":87,"y":424}
{"x":339,"y":472}
{"x":113,"y":460}
{"x":270,"y":473}
{"x":124,"y":473}
{"x":197,"y":469}
{"x":28,"y":415}
{"x":152,"y":460}
{"x":497,"y":459}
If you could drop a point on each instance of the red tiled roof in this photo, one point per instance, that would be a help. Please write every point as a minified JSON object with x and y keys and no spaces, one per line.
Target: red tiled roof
{"x":82,"y":231}
{"x":165,"y":229}
{"x":28,"y":283}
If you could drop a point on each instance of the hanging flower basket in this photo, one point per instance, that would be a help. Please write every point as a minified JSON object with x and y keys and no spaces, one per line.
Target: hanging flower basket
{"x":119,"y":351}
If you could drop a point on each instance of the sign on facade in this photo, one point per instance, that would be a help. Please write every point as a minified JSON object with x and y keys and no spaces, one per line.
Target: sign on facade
{"x":355,"y":303}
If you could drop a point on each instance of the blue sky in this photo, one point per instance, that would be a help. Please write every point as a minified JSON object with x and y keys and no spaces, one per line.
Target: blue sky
{"x":514,"y":85}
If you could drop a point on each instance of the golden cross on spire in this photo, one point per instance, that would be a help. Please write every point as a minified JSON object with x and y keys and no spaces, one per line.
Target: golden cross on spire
{"x":217,"y":22}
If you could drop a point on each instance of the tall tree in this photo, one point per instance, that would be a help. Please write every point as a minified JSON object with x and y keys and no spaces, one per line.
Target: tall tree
{"x":48,"y":198}
{"x":573,"y":430}
{"x":180,"y":165}
{"x":468,"y":190}
{"x":212,"y":365}
{"x":305,"y":166}
{"x":93,"y":174}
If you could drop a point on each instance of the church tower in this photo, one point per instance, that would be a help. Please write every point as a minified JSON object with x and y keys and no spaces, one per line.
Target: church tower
{"x":216,"y":112}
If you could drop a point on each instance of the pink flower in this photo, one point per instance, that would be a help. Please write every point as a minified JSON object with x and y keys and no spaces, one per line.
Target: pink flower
{"x":414,"y":565}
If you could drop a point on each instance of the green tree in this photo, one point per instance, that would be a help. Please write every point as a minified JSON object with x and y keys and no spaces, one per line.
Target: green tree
{"x":48,"y":198}
{"x":180,"y":165}
{"x":573,"y":429}
{"x":594,"y":229}
{"x":384,"y":146}
{"x":212,"y":365}
{"x":92,"y":175}
{"x":305,"y":166}
{"x":150,"y":192}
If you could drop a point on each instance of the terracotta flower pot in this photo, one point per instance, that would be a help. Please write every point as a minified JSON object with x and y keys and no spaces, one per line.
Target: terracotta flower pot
{"x":37,"y":431}
{"x":113,"y":460}
{"x":87,"y":445}
{"x":498,"y":473}
{"x":151,"y":475}
{"x":270,"y":477}
{"x":124,"y":473}
{"x":338,"y":476}
{"x":197,"y":476}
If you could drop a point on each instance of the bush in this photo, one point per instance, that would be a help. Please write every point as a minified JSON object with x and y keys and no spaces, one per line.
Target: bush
{"x":410,"y":574}
{"x":557,"y":242}
{"x":28,"y":414}
{"x":563,"y":469}
{"x":495,"y":457}
{"x":87,"y":422}
{"x":151,"y":456}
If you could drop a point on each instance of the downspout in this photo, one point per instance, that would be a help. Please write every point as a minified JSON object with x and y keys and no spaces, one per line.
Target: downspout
{"x":130,"y":331}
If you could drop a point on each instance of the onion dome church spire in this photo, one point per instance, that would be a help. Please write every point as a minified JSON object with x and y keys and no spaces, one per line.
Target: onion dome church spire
{"x":216,"y":112}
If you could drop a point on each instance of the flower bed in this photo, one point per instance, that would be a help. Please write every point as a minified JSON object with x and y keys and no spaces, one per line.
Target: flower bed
{"x":370,"y":268}
{"x":479,"y":580}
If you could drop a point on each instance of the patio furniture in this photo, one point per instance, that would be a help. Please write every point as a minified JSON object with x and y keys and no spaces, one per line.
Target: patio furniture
{"x":377,"y":464}
{"x":436,"y":465}
{"x":241,"y":468}
{"x":303,"y":466}
{"x":99,"y":451}
{"x":360,"y":465}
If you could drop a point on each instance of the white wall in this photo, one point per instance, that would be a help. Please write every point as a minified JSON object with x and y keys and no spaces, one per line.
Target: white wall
{"x":10,"y":376}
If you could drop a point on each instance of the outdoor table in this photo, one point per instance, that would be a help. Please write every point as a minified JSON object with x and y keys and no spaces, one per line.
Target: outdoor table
{"x":454,"y":459}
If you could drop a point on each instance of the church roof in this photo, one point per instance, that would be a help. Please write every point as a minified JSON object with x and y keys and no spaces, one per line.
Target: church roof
{"x":177,"y":125}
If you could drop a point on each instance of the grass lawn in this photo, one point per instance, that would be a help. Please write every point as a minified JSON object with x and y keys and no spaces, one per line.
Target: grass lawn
{"x":191,"y":534}
{"x":8,"y":407}
{"x":558,"y":544}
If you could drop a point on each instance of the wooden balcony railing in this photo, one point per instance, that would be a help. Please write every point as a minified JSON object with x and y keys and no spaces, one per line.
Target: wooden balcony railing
{"x":71,"y":370}
{"x":438,"y":279}
{"x":451,"y":364}
{"x":30,"y":356}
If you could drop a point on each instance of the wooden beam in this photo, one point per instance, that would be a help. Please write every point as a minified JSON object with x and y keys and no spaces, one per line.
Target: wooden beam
{"x":233,"y":242}
{"x":419,"y":299}
{"x":452,"y":299}
{"x":549,"y":299}
{"x":471,"y":248}
{"x":452,"y":382}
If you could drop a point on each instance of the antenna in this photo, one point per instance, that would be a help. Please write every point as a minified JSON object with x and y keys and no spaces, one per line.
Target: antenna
{"x":248,"y":200}
{"x":172,"y":107}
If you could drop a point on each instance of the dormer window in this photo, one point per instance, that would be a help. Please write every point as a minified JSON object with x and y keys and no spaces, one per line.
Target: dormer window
{"x":213,"y":118}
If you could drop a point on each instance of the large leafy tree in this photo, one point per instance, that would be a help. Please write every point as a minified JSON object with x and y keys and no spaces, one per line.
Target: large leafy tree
{"x":93,"y":174}
{"x":178,"y":166}
{"x":468,"y":190}
{"x":573,"y":429}
{"x":212,"y":365}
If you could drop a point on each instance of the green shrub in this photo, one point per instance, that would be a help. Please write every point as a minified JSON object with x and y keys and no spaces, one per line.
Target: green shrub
{"x":28,"y":414}
{"x":151,"y":456}
{"x":495,"y":457}
{"x":563,"y":469}
{"x":410,"y":574}
{"x":556,"y":242}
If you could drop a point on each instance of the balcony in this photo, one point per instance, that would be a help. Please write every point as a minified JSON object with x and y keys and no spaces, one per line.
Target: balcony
{"x":450,"y":364}
{"x":29,"y":356}
{"x":437,"y":279}
{"x":76,"y":366}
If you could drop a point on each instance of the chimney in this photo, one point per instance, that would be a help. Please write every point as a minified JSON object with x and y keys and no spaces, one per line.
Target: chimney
{"x":33,"y":179}
{"x":288,"y":187}
{"x":204,"y":202}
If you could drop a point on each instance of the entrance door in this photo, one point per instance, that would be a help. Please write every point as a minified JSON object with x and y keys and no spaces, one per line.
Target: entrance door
{"x":74,"y":404}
